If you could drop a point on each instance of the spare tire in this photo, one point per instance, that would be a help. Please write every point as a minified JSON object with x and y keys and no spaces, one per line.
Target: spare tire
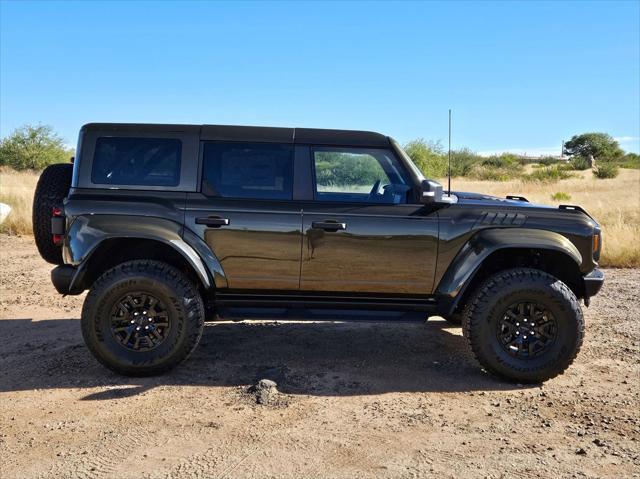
{"x":53,"y":186}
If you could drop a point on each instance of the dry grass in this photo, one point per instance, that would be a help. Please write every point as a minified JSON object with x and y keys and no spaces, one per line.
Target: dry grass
{"x":16,"y":190}
{"x":615,"y":203}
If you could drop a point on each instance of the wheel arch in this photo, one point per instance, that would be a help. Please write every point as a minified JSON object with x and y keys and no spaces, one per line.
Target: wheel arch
{"x":97,"y":243}
{"x":495,"y":250}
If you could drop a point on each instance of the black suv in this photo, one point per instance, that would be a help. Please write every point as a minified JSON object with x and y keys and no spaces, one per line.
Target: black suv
{"x":169,"y":225}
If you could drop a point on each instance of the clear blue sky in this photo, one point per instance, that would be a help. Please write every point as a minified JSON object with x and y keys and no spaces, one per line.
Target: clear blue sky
{"x":518,"y":76}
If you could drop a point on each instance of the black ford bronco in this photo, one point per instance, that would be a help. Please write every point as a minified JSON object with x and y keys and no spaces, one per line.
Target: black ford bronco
{"x":169,"y":225}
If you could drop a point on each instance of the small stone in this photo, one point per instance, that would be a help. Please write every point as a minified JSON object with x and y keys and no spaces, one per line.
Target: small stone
{"x":581,"y":452}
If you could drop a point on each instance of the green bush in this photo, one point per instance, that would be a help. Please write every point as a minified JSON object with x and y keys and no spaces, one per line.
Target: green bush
{"x":579,"y":163}
{"x":547,"y":161}
{"x":429,"y":157}
{"x":606,"y":170}
{"x":548,"y":174}
{"x":33,"y":148}
{"x":630,"y":160}
{"x":561,"y":196}
{"x":463,"y":161}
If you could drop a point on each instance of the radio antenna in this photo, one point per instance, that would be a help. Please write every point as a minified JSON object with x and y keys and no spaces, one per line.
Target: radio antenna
{"x":449,"y":185}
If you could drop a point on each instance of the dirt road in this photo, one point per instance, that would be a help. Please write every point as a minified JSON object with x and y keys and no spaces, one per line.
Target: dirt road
{"x":356,"y":399}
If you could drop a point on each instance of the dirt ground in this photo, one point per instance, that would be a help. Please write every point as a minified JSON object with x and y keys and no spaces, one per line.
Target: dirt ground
{"x":356,"y":399}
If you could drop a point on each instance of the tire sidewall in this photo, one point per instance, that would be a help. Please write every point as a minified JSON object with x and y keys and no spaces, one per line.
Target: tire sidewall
{"x":97,"y":324}
{"x":548,"y":292}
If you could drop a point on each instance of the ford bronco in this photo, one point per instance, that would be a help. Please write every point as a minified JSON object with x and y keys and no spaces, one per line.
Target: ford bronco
{"x":169,"y":225}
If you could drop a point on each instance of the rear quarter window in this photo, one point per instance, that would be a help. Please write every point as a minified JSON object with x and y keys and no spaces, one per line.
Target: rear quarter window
{"x":136,"y":161}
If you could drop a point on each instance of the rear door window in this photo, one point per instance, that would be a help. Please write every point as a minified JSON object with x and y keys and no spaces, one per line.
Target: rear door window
{"x":136,"y":161}
{"x":248,"y":170}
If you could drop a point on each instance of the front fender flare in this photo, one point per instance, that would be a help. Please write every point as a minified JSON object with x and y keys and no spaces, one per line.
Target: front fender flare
{"x":87,"y":233}
{"x":467,"y":262}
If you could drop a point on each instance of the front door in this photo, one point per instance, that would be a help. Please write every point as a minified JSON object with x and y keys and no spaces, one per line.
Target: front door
{"x":245,"y":213}
{"x":361,"y":235}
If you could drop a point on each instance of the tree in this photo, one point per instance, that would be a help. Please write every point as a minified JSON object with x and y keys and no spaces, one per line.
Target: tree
{"x":33,"y":147}
{"x":599,"y":145}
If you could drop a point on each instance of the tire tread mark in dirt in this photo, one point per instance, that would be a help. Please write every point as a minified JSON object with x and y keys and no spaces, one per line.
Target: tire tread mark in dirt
{"x":101,"y":460}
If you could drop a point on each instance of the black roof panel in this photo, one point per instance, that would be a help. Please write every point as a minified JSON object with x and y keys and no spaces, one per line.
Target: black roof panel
{"x":314,"y":136}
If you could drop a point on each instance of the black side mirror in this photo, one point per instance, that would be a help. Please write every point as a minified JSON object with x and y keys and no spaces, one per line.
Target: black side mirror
{"x":430,"y":192}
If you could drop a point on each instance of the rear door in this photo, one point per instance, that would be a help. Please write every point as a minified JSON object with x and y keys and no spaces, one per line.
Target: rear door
{"x":246,"y":214}
{"x":361,"y":233}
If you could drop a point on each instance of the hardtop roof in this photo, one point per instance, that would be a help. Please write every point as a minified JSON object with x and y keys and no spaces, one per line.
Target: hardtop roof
{"x":316,"y":136}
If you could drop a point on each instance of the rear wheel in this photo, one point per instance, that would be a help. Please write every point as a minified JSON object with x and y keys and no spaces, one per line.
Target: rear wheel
{"x":52,"y":188}
{"x":524,"y":325}
{"x":142,"y":318}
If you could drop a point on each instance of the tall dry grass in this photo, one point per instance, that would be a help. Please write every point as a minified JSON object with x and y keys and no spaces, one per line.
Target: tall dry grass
{"x":615,"y":203}
{"x":16,"y":190}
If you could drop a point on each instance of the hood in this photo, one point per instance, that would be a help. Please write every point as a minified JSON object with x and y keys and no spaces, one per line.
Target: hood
{"x":465,"y":197}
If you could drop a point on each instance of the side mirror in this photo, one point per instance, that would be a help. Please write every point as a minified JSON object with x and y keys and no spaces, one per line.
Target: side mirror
{"x":430,"y":192}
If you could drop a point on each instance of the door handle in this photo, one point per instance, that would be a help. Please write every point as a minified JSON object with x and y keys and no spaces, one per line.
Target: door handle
{"x":331,"y":226}
{"x":213,"y":221}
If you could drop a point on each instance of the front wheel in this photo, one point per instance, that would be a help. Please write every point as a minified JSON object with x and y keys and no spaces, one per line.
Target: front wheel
{"x":142,"y":318}
{"x":524,"y":325}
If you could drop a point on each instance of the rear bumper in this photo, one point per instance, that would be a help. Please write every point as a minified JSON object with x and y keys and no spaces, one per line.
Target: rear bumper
{"x":592,"y":284}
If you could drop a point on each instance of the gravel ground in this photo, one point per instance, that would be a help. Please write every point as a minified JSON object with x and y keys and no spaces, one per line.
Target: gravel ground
{"x":352,"y":399}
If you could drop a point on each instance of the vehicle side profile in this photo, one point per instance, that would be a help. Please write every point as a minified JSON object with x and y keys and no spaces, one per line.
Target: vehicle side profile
{"x":167,"y":226}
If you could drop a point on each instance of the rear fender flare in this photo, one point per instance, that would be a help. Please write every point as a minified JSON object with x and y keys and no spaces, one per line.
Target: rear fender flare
{"x":87,"y":233}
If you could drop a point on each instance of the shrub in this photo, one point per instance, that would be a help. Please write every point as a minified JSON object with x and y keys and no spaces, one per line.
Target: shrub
{"x":606,"y":170}
{"x":429,"y":157}
{"x":560,"y":196}
{"x":33,"y":148}
{"x":579,"y":163}
{"x":463,"y":161}
{"x":630,"y":160}
{"x":548,"y":174}
{"x":547,"y":161}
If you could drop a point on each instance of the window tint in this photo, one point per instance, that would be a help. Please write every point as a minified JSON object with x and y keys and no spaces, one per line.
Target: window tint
{"x":136,"y":161}
{"x":361,"y":175}
{"x":248,"y":170}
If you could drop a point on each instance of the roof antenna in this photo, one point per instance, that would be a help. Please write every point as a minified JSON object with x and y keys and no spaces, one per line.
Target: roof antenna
{"x":449,"y":186}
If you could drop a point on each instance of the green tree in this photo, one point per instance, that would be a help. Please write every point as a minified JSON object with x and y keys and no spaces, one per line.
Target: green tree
{"x":602,"y":146}
{"x":33,"y":147}
{"x":428,"y":156}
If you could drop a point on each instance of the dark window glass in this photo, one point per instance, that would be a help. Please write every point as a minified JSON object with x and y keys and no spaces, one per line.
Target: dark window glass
{"x":248,"y":170}
{"x":136,"y":161}
{"x":359,"y":175}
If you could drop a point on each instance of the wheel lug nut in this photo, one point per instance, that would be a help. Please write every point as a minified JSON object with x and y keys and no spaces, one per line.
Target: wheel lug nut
{"x":517,"y":333}
{"x":150,"y":319}
{"x":517,"y":324}
{"x":132,"y":321}
{"x":138,"y":328}
{"x":525,"y":337}
{"x":146,"y":327}
{"x":532,"y":332}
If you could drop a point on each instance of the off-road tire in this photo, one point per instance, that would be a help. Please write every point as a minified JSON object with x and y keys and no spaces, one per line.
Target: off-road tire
{"x":490,"y":301}
{"x":53,"y":186}
{"x":185,"y":310}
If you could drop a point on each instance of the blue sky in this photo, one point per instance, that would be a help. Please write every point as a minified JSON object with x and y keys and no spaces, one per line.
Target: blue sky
{"x":518,"y":76}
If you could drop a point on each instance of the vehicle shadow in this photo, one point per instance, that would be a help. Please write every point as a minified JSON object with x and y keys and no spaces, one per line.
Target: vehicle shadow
{"x":319,"y":358}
